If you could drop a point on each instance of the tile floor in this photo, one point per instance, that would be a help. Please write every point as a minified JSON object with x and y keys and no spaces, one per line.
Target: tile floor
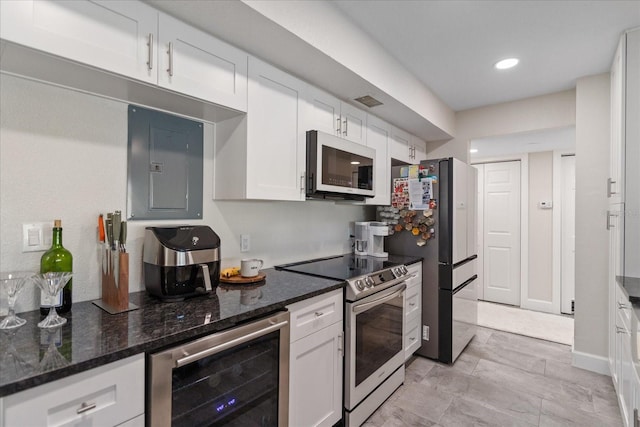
{"x":501,"y":379}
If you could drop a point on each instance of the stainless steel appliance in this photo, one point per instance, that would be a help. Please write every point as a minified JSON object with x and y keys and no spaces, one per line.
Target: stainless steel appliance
{"x":238,"y":377}
{"x":449,"y":285}
{"x":181,"y":262}
{"x":338,"y":168}
{"x":374,"y":315}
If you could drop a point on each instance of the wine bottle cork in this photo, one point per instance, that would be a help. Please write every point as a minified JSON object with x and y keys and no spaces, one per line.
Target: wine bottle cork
{"x":57,"y":223}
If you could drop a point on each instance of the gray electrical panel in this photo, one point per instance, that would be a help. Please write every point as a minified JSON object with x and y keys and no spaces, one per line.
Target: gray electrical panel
{"x":165,"y":155}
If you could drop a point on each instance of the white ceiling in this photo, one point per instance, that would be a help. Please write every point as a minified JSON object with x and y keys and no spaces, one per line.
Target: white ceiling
{"x":452,"y":45}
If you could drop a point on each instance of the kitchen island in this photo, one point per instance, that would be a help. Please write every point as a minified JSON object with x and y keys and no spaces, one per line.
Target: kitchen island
{"x":92,"y":337}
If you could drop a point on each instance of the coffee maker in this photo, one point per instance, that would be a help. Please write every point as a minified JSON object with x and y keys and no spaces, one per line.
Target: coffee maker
{"x":369,"y":238}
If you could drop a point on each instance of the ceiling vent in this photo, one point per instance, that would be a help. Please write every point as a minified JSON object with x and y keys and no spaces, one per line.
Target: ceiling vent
{"x":369,"y":101}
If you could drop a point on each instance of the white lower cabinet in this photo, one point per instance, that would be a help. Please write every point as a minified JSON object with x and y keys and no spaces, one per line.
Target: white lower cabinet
{"x":413,"y":311}
{"x":110,"y":395}
{"x":316,"y":359}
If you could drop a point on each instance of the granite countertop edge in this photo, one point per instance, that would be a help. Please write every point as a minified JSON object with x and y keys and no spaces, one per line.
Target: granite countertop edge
{"x":164,"y":341}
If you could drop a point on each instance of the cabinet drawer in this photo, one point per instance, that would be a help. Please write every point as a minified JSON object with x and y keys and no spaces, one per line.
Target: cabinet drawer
{"x":412,"y":301}
{"x":411,"y":337}
{"x":415,"y":269}
{"x":114,"y":391}
{"x":315,"y":313}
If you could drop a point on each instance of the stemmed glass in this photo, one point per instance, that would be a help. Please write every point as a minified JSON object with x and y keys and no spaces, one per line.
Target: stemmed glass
{"x":13,"y":282}
{"x":51,"y":284}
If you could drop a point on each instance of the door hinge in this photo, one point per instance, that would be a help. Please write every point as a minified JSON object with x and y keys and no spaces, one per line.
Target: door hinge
{"x":573,"y":306}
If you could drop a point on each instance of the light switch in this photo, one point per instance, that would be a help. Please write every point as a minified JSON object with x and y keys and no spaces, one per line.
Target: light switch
{"x":245,"y":243}
{"x":36,"y":236}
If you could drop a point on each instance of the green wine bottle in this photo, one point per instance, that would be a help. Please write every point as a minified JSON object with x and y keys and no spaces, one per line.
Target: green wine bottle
{"x":57,"y":259}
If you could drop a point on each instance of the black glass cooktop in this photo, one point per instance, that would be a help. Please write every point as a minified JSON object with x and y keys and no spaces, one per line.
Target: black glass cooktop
{"x":340,"y":267}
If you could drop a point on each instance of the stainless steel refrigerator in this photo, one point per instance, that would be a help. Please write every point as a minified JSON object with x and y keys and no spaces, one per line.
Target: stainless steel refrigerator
{"x":449,"y":271}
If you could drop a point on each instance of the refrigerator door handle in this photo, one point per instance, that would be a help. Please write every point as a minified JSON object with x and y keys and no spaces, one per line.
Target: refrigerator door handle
{"x":464,"y":284}
{"x":464,"y":261}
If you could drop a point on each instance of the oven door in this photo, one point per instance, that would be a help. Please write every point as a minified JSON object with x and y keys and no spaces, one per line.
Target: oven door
{"x":374,"y":349}
{"x":238,"y":377}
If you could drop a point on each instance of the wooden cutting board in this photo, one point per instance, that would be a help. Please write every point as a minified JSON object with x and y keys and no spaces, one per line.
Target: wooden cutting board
{"x":240,"y":280}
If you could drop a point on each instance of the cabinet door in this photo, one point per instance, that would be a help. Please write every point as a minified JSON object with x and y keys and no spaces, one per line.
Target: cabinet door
{"x":315,"y":388}
{"x":197,"y":64}
{"x":616,"y":157}
{"x":412,"y":340}
{"x":419,"y":149}
{"x":400,"y":145}
{"x":378,"y":135}
{"x":276,"y":144}
{"x":354,"y":124}
{"x":323,"y":112}
{"x":117,"y":36}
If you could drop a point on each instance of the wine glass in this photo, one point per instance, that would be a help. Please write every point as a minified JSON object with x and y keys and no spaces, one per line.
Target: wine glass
{"x":52,"y":358}
{"x":51,"y":284}
{"x":13,"y":282}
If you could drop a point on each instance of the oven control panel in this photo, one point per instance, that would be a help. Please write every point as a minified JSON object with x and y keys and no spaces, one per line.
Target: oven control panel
{"x":359,"y":287}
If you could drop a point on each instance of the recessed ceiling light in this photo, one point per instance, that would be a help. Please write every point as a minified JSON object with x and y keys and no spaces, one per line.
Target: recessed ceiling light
{"x":355,"y":163}
{"x":473,"y":150}
{"x":507,"y":63}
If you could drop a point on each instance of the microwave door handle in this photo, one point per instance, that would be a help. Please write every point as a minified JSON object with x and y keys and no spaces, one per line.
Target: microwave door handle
{"x":359,"y":308}
{"x":229,"y":344}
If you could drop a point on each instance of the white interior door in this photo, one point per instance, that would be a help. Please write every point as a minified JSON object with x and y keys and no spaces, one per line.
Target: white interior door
{"x":480,"y":230}
{"x":568,"y":238}
{"x":502,"y":232}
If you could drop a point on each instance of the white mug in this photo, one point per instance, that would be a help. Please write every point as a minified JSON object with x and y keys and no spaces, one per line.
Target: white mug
{"x":250,"y":267}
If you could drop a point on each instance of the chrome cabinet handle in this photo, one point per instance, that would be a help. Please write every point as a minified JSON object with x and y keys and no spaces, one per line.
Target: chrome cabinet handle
{"x":412,"y":304}
{"x":86,"y":407}
{"x":622,"y":306}
{"x":346,"y":124}
{"x":620,"y":330}
{"x":170,"y":52}
{"x":302,"y":181}
{"x":412,"y":338}
{"x":339,"y":128}
{"x":318,"y":313}
{"x":150,"y":55}
{"x":341,"y":343}
{"x":610,"y":192}
{"x":609,"y":215}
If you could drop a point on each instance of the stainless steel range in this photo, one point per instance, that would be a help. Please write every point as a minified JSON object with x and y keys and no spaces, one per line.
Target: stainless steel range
{"x":374,"y":313}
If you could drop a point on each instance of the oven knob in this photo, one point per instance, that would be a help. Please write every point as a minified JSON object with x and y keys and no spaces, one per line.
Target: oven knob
{"x":359,"y":285}
{"x":397,"y":271}
{"x":404,"y":270}
{"x":369,"y":282}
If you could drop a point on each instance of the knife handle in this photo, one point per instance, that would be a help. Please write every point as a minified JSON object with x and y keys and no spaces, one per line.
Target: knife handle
{"x":123,"y":236}
{"x":109,"y":231}
{"x":101,"y":228}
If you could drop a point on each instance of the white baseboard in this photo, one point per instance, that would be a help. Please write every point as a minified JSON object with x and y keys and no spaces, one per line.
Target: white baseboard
{"x":591,"y":362}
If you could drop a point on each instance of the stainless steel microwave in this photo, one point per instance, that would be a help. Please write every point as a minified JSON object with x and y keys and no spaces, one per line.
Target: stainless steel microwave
{"x":338,"y":168}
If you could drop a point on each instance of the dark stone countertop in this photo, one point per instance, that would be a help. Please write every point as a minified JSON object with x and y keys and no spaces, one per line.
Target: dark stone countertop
{"x":30,"y":356}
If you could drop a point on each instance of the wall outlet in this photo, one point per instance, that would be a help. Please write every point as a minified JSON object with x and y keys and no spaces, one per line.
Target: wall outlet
{"x":245,"y":243}
{"x":425,"y":333}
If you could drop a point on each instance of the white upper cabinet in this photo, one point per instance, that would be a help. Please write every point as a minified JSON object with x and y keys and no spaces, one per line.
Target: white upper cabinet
{"x":117,"y":36}
{"x":194,"y":63}
{"x":419,"y":149}
{"x":400,"y":145}
{"x":378,"y":136}
{"x":328,"y":114}
{"x":262,"y":155}
{"x":406,"y":147}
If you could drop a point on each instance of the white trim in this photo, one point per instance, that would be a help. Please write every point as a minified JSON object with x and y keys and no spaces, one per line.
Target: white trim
{"x":524,"y":220}
{"x":590,"y":362}
{"x":556,"y":259}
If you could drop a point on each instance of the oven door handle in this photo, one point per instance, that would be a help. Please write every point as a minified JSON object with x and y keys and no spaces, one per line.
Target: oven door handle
{"x":189,"y":358}
{"x":359,"y":308}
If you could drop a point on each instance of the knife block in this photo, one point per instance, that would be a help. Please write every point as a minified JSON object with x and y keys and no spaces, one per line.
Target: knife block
{"x":114,"y":276}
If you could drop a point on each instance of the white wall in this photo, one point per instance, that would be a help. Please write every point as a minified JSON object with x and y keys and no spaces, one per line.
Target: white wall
{"x":592,"y":239}
{"x":556,"y":110}
{"x":63,"y":154}
{"x":540,"y":227}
